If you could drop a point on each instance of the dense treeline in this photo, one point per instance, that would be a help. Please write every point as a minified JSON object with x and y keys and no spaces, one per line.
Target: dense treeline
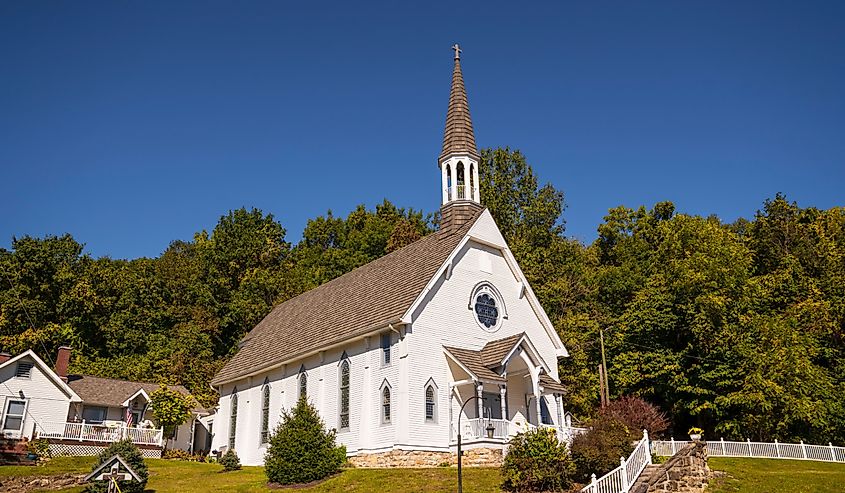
{"x":737,"y":328}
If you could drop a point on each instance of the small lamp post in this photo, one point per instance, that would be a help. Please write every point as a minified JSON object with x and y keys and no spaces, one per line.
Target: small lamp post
{"x":460,"y":476}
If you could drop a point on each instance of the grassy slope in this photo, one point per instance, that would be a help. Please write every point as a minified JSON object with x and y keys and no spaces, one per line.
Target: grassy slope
{"x":191,"y":477}
{"x":777,"y":476}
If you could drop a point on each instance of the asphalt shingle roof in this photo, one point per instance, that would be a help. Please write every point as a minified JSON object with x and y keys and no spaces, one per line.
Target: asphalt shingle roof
{"x":355,"y":303}
{"x":113,"y":392}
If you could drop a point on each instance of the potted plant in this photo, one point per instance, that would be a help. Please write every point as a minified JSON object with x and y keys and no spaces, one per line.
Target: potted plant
{"x":695,"y":433}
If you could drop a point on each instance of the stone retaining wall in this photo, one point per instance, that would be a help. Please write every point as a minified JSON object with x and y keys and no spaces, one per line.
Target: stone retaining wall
{"x":477,"y":457}
{"x":685,"y":472}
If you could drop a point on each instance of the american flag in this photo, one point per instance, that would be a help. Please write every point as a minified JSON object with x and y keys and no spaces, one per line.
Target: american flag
{"x":128,"y":417}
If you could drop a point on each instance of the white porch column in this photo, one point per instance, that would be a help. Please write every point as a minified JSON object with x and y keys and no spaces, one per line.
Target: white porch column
{"x":451,"y":414}
{"x":475,"y":185}
{"x":444,"y":182}
{"x":559,"y":406}
{"x":503,"y":393}
{"x":479,"y":391}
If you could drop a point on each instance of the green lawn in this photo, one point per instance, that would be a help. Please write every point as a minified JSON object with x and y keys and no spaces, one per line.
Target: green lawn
{"x":744,"y":476}
{"x":189,"y":477}
{"x":776,"y":476}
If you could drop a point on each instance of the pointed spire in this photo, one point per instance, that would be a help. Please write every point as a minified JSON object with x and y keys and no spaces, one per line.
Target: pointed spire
{"x":459,"y":136}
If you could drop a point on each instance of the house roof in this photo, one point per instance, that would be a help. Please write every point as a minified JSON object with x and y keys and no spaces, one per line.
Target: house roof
{"x":458,"y":136}
{"x":112,"y":392}
{"x":473,"y":361}
{"x":482,"y":364}
{"x":74,"y":397}
{"x":549,"y":383}
{"x":354,"y":304}
{"x":495,"y":351}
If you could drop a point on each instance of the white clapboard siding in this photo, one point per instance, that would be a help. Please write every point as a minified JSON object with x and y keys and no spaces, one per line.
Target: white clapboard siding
{"x":46,"y":402}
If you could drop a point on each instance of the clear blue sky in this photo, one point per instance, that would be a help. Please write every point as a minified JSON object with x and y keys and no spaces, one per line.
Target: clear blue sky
{"x":130,"y":124}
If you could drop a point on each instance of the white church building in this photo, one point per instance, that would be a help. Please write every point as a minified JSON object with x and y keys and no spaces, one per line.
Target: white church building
{"x":390,"y":352}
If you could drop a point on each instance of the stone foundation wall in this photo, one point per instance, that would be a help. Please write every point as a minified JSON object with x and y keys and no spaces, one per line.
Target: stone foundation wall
{"x":477,"y":457}
{"x":685,"y":472}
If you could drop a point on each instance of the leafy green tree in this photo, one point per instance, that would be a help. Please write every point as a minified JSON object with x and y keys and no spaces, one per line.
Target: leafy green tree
{"x":171,"y":408}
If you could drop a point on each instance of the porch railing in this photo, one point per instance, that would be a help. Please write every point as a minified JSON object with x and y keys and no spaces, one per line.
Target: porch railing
{"x":100,"y":433}
{"x":623,"y":477}
{"x":566,"y":433}
{"x":477,"y":427}
{"x":763,"y":450}
{"x":473,"y":428}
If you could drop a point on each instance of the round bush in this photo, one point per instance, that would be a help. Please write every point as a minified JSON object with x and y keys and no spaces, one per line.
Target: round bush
{"x":537,"y":461}
{"x":301,"y":450}
{"x":598,"y":450}
{"x":129,"y":453}
{"x":230,"y":461}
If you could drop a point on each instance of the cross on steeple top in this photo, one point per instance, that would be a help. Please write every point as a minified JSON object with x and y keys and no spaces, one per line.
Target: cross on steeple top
{"x":457,"y":51}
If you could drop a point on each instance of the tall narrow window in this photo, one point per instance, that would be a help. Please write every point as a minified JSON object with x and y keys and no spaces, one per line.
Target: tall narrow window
{"x":344,"y":396}
{"x":450,"y":193}
{"x":385,"y":405}
{"x":429,"y":403}
{"x":461,"y":182}
{"x":233,"y":421}
{"x":545,"y":415}
{"x":472,"y":182}
{"x":385,"y":349}
{"x":303,"y":385}
{"x":265,"y":413}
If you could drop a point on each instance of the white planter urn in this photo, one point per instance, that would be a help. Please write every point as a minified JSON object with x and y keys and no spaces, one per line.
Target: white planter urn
{"x":695,"y":436}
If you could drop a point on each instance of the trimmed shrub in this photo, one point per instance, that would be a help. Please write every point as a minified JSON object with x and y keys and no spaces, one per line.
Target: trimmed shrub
{"x":230,"y":461}
{"x":537,"y":461}
{"x":179,"y":454}
{"x":638,"y":415}
{"x":598,"y":450}
{"x":301,"y":450}
{"x":130,"y":453}
{"x":40,"y":447}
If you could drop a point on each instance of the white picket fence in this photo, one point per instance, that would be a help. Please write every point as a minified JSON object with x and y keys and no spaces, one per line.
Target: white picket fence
{"x":763,"y":450}
{"x":623,"y":477}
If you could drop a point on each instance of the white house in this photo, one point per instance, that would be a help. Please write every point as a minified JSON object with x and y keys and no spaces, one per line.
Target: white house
{"x":81,"y":414}
{"x":390,"y":352}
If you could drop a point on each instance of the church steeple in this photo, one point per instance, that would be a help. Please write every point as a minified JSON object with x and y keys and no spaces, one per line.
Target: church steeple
{"x":459,"y":158}
{"x":458,"y":137}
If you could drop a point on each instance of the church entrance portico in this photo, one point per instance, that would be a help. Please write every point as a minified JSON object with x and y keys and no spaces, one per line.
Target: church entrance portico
{"x":501,"y":390}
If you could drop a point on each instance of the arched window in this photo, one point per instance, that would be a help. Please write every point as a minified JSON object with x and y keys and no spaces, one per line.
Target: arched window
{"x":385,"y":405}
{"x":545,"y":415}
{"x":344,"y":396}
{"x":265,"y":412}
{"x":430,"y":404}
{"x":472,"y":182}
{"x":303,"y":385}
{"x":233,"y":419}
{"x":450,"y":194}
{"x":459,"y":175}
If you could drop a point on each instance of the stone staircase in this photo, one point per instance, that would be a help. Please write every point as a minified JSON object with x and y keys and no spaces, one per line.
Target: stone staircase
{"x":641,"y":484}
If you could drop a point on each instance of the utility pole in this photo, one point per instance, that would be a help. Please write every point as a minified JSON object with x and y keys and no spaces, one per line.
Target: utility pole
{"x":601,"y":385}
{"x":606,"y":396}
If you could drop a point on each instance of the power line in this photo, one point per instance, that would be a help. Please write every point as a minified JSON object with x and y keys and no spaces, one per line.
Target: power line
{"x":26,"y":312}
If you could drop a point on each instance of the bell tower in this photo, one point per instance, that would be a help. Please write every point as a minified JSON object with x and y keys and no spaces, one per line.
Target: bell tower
{"x":459,"y":158}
